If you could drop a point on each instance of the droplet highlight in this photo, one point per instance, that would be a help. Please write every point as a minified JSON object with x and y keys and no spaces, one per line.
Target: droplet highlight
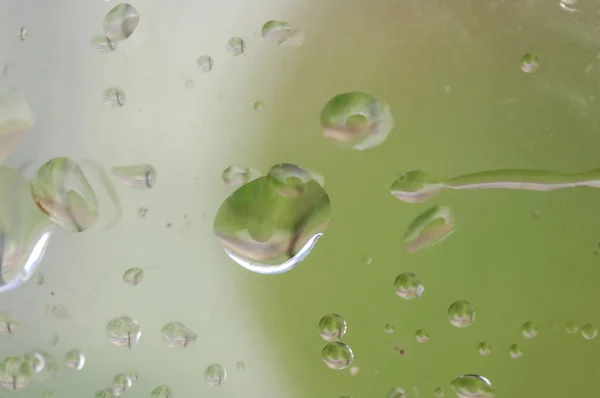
{"x":205,"y":63}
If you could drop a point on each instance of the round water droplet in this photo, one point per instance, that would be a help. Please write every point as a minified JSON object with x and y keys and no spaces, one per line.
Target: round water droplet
{"x":114,"y":97}
{"x":389,"y":329}
{"x":258,"y":106}
{"x":288,"y":179}
{"x":472,"y":386}
{"x":529,"y":330}
{"x":571,"y":328}
{"x":176,"y":334}
{"x":408,"y":286}
{"x":356,"y":120}
{"x":515,"y":351}
{"x":236,"y":45}
{"x":136,"y":176}
{"x":429,"y":228}
{"x":397,"y":392}
{"x":337,"y":355}
{"x":121,"y":22}
{"x":439,"y":393}
{"x":269,"y":233}
{"x":58,"y":311}
{"x":124,"y":332}
{"x":161,"y":392}
{"x":484,"y":348}
{"x":16,"y":119}
{"x":134,"y":376}
{"x":332,"y":327}
{"x":422,"y":336}
{"x":15,"y":373}
{"x":589,"y":331}
{"x":8,"y":324}
{"x":105,"y":394}
{"x":235,"y":176}
{"x":133,"y":276}
{"x":214,"y":375}
{"x":121,"y":383}
{"x":282,"y":33}
{"x":75,"y":359}
{"x":103,"y":44}
{"x":461,"y":314}
{"x":47,"y":394}
{"x":240,"y":365}
{"x":205,"y":63}
{"x":530,"y":63}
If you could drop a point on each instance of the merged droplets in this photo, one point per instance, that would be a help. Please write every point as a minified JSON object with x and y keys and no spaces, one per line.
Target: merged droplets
{"x":113,"y":97}
{"x":356,"y":120}
{"x":161,"y":392}
{"x":422,"y":336}
{"x":289,"y":179}
{"x":214,"y":375}
{"x":236,"y":45}
{"x":133,"y":276}
{"x":16,"y":119}
{"x":515,"y":351}
{"x":472,"y":386}
{"x":124,"y":332}
{"x":103,"y":44}
{"x":589,"y":331}
{"x":270,"y":233}
{"x":136,"y":176}
{"x":429,"y":228}
{"x":529,"y":330}
{"x":282,"y":33}
{"x":176,"y":334}
{"x":408,"y":286}
{"x":8,"y":324}
{"x":121,"y":22}
{"x":530,"y":63}
{"x":484,"y":348}
{"x":397,"y":392}
{"x":205,"y":63}
{"x":15,"y":373}
{"x":337,"y":355}
{"x":461,"y":314}
{"x":75,"y":359}
{"x":332,"y":327}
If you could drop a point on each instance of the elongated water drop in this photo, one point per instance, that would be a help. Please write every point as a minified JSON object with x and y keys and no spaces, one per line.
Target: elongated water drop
{"x":121,"y":21}
{"x":429,"y":228}
{"x":472,"y":386}
{"x":137,"y":176}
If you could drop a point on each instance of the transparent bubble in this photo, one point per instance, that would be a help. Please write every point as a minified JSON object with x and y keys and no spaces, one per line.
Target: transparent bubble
{"x":484,"y":348}
{"x":121,"y":22}
{"x":408,"y":286}
{"x":356,"y":120}
{"x":134,"y":376}
{"x":136,"y":176}
{"x":472,"y":386}
{"x":529,"y":330}
{"x":8,"y":324}
{"x":240,"y":365}
{"x":235,"y":176}
{"x":58,"y":311}
{"x":530,"y":63}
{"x":205,"y":63}
{"x":332,"y":327}
{"x":515,"y":351}
{"x":133,"y":276}
{"x":75,"y":359}
{"x":15,"y":373}
{"x":337,"y":355}
{"x":389,"y":329}
{"x":571,"y":328}
{"x":397,"y":392}
{"x":282,"y":33}
{"x":269,"y":233}
{"x":461,"y":314}
{"x":429,"y":228}
{"x":176,"y":334}
{"x":103,"y":44}
{"x":236,"y":45}
{"x":16,"y":119}
{"x":124,"y":332}
{"x":258,"y":106}
{"x":439,"y":393}
{"x":161,"y":392}
{"x":422,"y":336}
{"x":114,"y":97}
{"x":47,"y":394}
{"x":289,"y":179}
{"x":214,"y":375}
{"x":121,"y":383}
{"x":589,"y":331}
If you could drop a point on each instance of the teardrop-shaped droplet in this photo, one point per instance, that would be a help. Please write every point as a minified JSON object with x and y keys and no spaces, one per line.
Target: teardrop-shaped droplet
{"x":137,"y":176}
{"x":429,"y":228}
{"x":121,"y":21}
{"x":124,"y":332}
{"x":16,"y":119}
{"x":176,"y":334}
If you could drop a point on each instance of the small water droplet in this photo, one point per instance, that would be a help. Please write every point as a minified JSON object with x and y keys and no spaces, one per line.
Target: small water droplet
{"x":484,"y":348}
{"x":75,"y":359}
{"x":235,"y":176}
{"x":8,"y":324}
{"x":121,"y":383}
{"x":240,"y":365}
{"x":133,"y":276}
{"x":515,"y":351}
{"x":136,"y":176}
{"x":142,"y":211}
{"x":589,"y":331}
{"x":205,"y":63}
{"x":332,"y":327}
{"x":567,"y":5}
{"x":389,"y":329}
{"x":472,"y":386}
{"x":429,"y":228}
{"x":114,"y":97}
{"x":103,"y":44}
{"x":571,"y":328}
{"x":397,"y":392}
{"x":47,"y":394}
{"x":15,"y":373}
{"x":52,"y":339}
{"x":529,"y":330}
{"x":23,"y":33}
{"x":258,"y":106}
{"x":448,"y":89}
{"x":461,"y":314}
{"x":189,"y":83}
{"x":214,"y":375}
{"x":236,"y":46}
{"x":124,"y":332}
{"x":176,"y":334}
{"x":161,"y":392}
{"x":530,"y":63}
{"x":58,"y":311}
{"x":337,"y":355}
{"x":422,"y":336}
{"x":408,"y":286}
{"x":121,"y":22}
{"x":439,"y":393}
{"x":288,"y":179}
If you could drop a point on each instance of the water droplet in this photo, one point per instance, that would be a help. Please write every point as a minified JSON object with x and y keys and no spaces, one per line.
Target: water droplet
{"x":461,"y":314}
{"x":189,"y":83}
{"x":429,"y":228}
{"x":105,"y":394}
{"x":124,"y":332}
{"x":269,"y":233}
{"x":39,"y":279}
{"x":439,"y":393}
{"x":416,"y":186}
{"x":142,"y":211}
{"x":484,"y":348}
{"x":258,"y":106}
{"x":103,"y":44}
{"x":397,"y":392}
{"x":47,"y":394}
{"x":16,"y":119}
{"x":356,"y":120}
{"x":571,"y":328}
{"x":515,"y":351}
{"x":42,"y":364}
{"x":161,"y":392}
{"x":133,"y":276}
{"x":75,"y":359}
{"x":15,"y":373}
{"x":472,"y":386}
{"x":176,"y":334}
{"x":136,"y":176}
{"x":235,"y":176}
{"x":114,"y":97}
{"x":282,"y":33}
{"x":337,"y":355}
{"x":528,"y":330}
{"x":8,"y":324}
{"x":367,"y":260}
{"x":332,"y":327}
{"x":236,"y":45}
{"x":288,"y":179}
{"x":205,"y":63}
{"x":389,"y":329}
{"x":58,"y":311}
{"x":530,"y":63}
{"x":215,"y":375}
{"x":240,"y":365}
{"x":422,"y":336}
{"x":134,"y":376}
{"x":121,"y":22}
{"x":23,"y":33}
{"x":408,"y":286}
{"x":448,"y":89}
{"x":589,"y":331}
{"x":121,"y":383}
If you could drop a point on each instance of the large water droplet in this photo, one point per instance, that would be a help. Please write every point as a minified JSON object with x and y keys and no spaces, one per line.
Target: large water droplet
{"x":332,"y":327}
{"x":15,"y":373}
{"x":121,"y":383}
{"x":121,"y":22}
{"x":214,"y":375}
{"x":161,"y":392}
{"x":236,"y":45}
{"x":269,"y":233}
{"x":282,"y":33}
{"x":515,"y":351}
{"x":16,"y":119}
{"x":337,"y":355}
{"x":75,"y":359}
{"x":356,"y":120}
{"x":589,"y":331}
{"x":529,"y":330}
{"x":176,"y":334}
{"x":133,"y":276}
{"x":137,"y":176}
{"x":205,"y":63}
{"x":461,"y":314}
{"x":408,"y":286}
{"x":472,"y":386}
{"x":429,"y":228}
{"x":124,"y":332}
{"x":530,"y":63}
{"x":397,"y":392}
{"x":484,"y":348}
